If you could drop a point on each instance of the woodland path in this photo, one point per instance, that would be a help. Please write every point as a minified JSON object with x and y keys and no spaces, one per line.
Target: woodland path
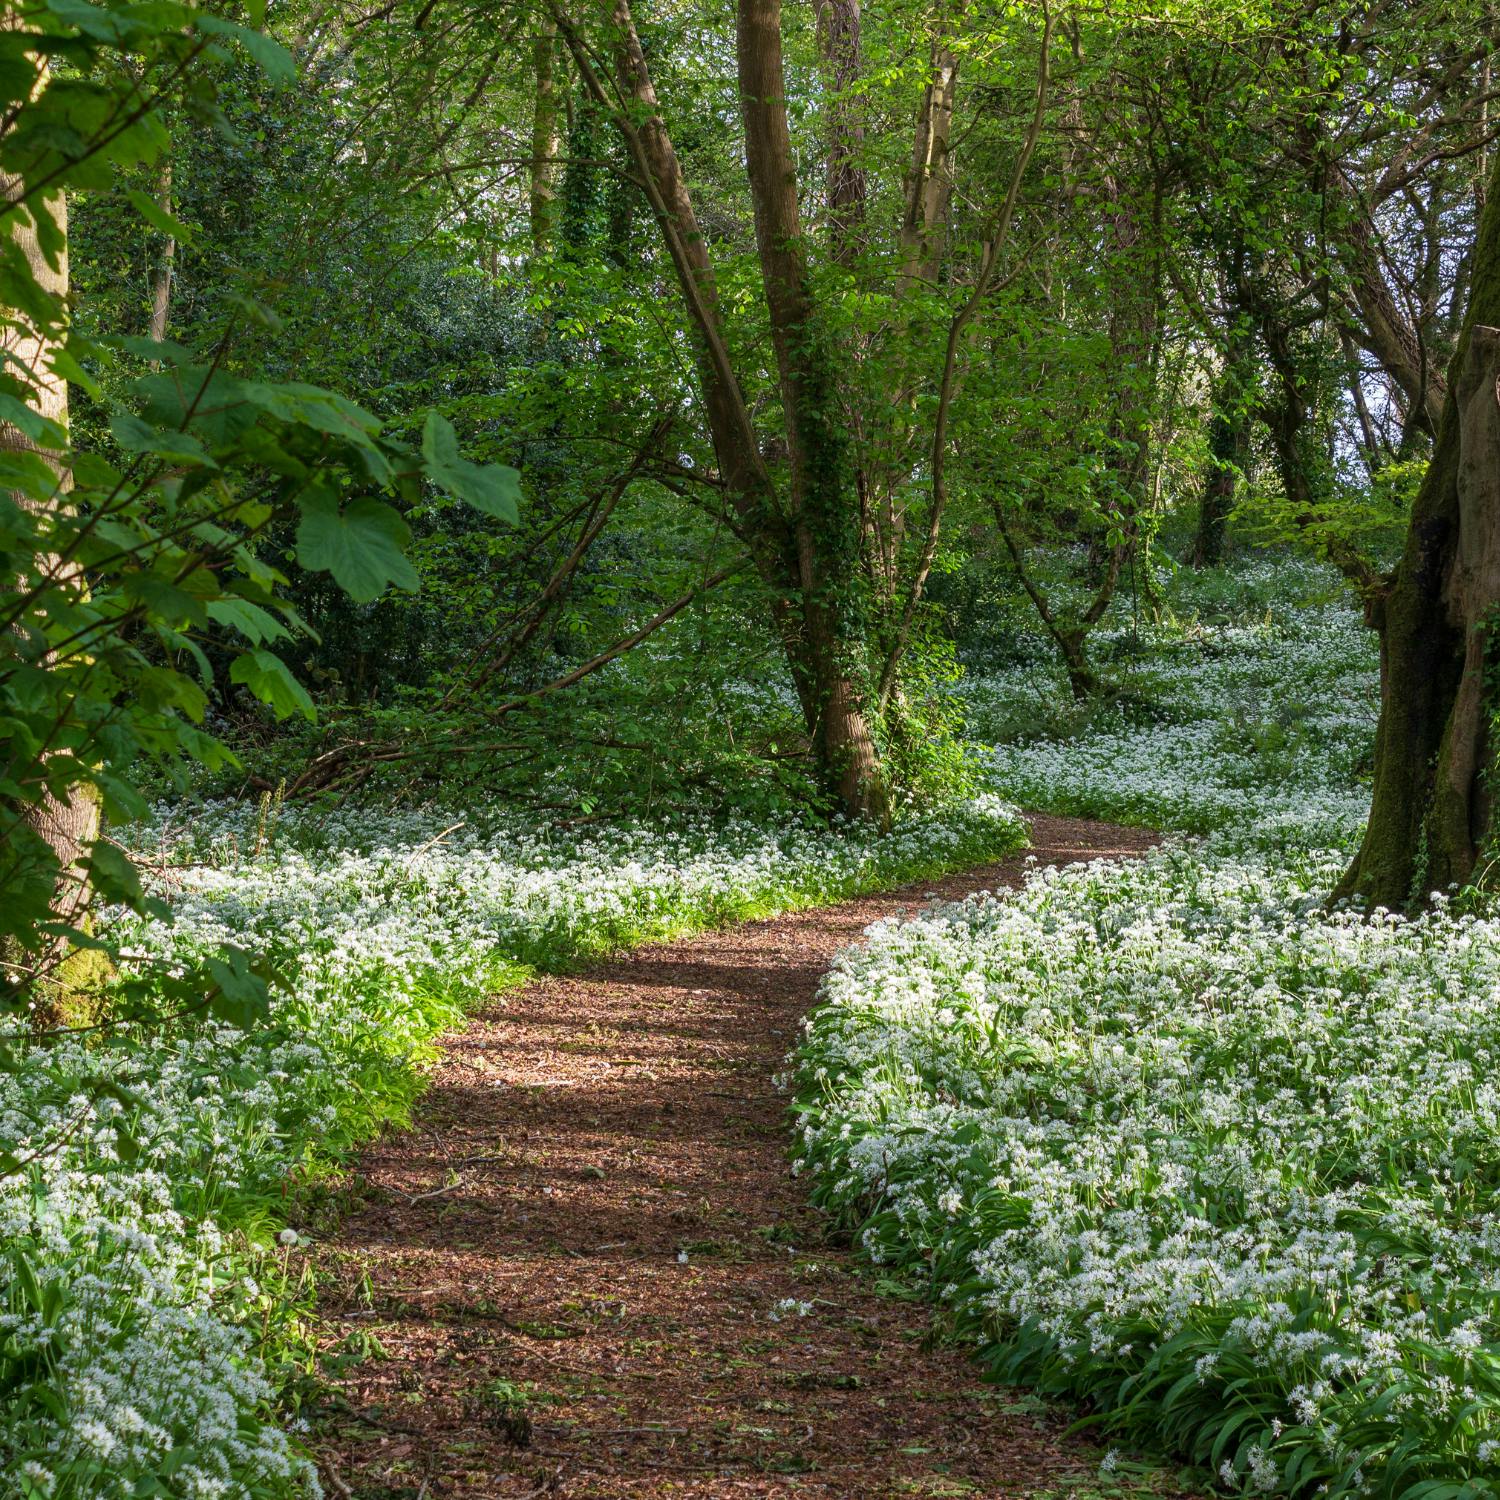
{"x":517,"y":1255}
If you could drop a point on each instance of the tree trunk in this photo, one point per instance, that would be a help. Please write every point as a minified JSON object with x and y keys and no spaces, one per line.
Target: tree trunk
{"x":1225,"y":450}
{"x":929,"y":181}
{"x":807,"y":549}
{"x":161,"y":275}
{"x":838,"y":47}
{"x":1228,"y":444}
{"x":1430,"y":813}
{"x":546,"y":142}
{"x":66,"y":825}
{"x":825,"y":515}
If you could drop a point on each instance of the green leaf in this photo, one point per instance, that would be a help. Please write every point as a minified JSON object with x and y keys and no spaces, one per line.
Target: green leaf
{"x":363,"y":546}
{"x":243,"y":996}
{"x":491,"y":488}
{"x":272,"y":58}
{"x":127,"y":1147}
{"x":31,"y":423}
{"x":268,"y":677}
{"x":136,"y":436}
{"x":252,"y":622}
{"x":158,"y":218}
{"x":112,"y":874}
{"x":162,"y":349}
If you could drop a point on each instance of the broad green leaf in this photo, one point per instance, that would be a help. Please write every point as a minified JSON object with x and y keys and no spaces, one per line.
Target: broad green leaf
{"x":31,"y":423}
{"x":493,"y":489}
{"x":113,"y":875}
{"x":243,"y":996}
{"x":363,"y":545}
{"x":137,"y":436}
{"x":269,"y":678}
{"x":252,"y":622}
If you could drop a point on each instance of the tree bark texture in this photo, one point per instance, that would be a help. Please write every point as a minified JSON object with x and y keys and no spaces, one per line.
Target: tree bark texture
{"x":838,"y":47}
{"x":546,"y":142}
{"x":166,"y":261}
{"x":1431,"y":810}
{"x":929,"y":180}
{"x":824,"y":510}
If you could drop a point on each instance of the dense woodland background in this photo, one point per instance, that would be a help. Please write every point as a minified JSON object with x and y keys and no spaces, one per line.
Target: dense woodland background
{"x":805,"y":335}
{"x":777,"y":431}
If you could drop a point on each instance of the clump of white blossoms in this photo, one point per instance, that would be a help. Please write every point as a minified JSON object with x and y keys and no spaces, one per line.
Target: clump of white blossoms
{"x":1212,"y":1142}
{"x":1253,"y":730}
{"x":1170,"y":1137}
{"x":789,"y":1307}
{"x":142,"y":1311}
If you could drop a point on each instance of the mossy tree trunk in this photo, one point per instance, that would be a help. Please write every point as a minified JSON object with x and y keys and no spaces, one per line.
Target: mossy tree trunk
{"x":546,"y":141}
{"x":1430,"y":816}
{"x":804,"y":535}
{"x":1228,"y":445}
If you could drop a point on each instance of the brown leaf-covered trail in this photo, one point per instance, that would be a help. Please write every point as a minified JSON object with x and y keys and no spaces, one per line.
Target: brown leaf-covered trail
{"x":572,"y":1262}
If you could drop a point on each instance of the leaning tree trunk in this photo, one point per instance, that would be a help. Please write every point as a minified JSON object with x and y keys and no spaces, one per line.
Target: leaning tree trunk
{"x":1430,"y":816}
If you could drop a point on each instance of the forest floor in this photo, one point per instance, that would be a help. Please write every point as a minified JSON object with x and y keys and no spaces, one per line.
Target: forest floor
{"x":587,"y":1270}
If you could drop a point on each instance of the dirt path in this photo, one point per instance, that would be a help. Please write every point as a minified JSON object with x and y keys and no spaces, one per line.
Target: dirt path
{"x":573,"y":1261}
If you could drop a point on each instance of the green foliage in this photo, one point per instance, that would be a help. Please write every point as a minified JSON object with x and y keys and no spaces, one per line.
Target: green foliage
{"x":134,"y":560}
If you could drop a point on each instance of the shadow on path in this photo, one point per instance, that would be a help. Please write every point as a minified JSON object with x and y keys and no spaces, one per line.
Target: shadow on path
{"x":573,"y":1262}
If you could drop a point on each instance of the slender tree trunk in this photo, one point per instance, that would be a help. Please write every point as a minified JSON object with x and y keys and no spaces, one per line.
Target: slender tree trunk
{"x":838,"y":46}
{"x":162,"y":272}
{"x":1070,"y":638}
{"x":929,"y":180}
{"x":546,"y":141}
{"x":1430,"y":815}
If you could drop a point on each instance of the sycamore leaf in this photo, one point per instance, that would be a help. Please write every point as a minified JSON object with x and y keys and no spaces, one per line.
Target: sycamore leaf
{"x":31,"y":423}
{"x":363,"y":545}
{"x":136,"y":436}
{"x":491,"y":488}
{"x":243,"y":995}
{"x":269,"y":678}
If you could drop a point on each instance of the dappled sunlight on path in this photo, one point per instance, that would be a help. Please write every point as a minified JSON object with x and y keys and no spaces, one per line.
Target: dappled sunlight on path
{"x":593,"y":1274}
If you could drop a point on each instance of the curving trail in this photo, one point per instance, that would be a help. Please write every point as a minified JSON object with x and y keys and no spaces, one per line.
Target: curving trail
{"x":524,"y":1247}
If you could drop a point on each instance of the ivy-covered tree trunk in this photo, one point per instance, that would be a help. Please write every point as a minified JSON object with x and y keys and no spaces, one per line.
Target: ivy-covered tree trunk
{"x":1431,"y":813}
{"x":804,"y":537}
{"x":825,"y":519}
{"x":1228,"y":443}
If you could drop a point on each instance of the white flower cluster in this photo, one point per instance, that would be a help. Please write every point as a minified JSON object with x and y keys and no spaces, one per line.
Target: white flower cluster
{"x":1211,"y":1142}
{"x":1255,"y":729}
{"x":143,"y":1294}
{"x":1171,"y":1137}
